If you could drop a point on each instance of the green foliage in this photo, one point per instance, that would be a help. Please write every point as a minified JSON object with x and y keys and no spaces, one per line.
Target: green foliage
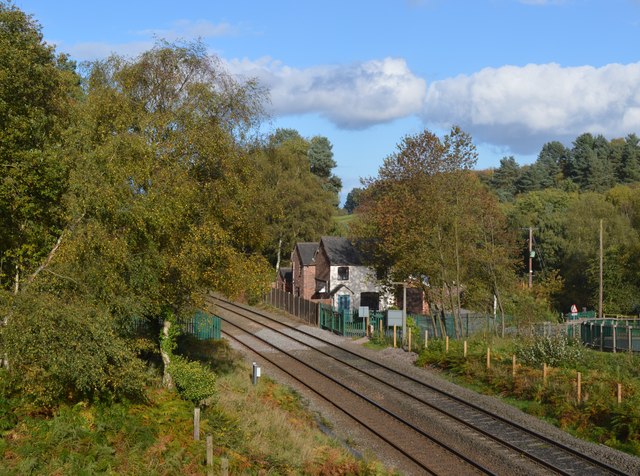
{"x":555,"y":351}
{"x":353,"y":200}
{"x":598,"y":417}
{"x":37,"y":90}
{"x":67,"y":351}
{"x":194,"y":381}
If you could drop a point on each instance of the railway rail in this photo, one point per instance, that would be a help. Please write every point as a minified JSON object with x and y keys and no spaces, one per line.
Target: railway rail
{"x":405,"y":405}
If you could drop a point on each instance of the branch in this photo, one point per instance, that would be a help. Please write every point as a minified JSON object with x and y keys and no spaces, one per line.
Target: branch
{"x":52,"y":253}
{"x":46,"y":261}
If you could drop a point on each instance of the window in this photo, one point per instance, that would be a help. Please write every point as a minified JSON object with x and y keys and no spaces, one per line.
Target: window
{"x":343,"y":273}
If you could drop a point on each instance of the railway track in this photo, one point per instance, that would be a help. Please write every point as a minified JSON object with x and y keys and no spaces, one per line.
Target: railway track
{"x":409,"y":413}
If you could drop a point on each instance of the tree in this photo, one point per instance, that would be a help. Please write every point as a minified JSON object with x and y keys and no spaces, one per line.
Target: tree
{"x":36,"y":92}
{"x":353,"y":199}
{"x":504,"y":179}
{"x":427,"y":214}
{"x":321,"y":162}
{"x":630,"y":160}
{"x":160,"y":208}
{"x":299,"y":207}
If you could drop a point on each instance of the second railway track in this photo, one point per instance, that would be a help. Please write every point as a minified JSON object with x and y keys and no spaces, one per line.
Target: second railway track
{"x":480,"y":441}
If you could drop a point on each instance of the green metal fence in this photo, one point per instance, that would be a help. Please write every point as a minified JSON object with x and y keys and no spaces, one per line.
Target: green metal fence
{"x":202,"y":325}
{"x":613,"y":335}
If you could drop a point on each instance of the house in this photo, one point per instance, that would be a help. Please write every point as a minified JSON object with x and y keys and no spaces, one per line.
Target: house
{"x":303,"y":270}
{"x":341,"y":278}
{"x":284,"y":281}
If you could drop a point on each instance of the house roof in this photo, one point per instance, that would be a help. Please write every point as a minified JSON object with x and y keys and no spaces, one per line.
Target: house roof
{"x":286,"y":274}
{"x":341,"y":251}
{"x":307,"y":251}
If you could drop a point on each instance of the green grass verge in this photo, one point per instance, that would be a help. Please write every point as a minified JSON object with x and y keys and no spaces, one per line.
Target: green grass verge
{"x":596,"y":417}
{"x":262,"y":429}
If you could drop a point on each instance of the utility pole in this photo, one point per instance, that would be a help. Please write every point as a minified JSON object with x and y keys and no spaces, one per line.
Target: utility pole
{"x":601,"y":272}
{"x":530,"y":257}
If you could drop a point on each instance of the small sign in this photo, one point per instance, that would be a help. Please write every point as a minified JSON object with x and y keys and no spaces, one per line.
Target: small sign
{"x":394,"y":318}
{"x":363,"y":311}
{"x":574,"y":309}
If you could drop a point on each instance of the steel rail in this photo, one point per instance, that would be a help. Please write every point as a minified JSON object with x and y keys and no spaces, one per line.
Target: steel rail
{"x":592,"y":461}
{"x":358,"y":395}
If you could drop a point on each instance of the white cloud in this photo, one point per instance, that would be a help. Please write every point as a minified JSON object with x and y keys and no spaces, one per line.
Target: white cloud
{"x":519,"y":106}
{"x":179,"y":30}
{"x":352,"y":96}
{"x":187,"y":29}
{"x":99,"y":50}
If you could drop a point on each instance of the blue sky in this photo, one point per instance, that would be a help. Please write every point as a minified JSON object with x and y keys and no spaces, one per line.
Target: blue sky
{"x":513,"y":73}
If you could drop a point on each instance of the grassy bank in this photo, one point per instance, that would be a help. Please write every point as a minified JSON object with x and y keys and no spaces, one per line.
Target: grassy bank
{"x":262,"y":429}
{"x":596,"y":415}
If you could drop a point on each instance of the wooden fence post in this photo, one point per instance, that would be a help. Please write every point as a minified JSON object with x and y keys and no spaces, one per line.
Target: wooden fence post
{"x":465,"y":349}
{"x":394,"y":336}
{"x":196,"y":423}
{"x":224,"y":467}
{"x":488,"y":357}
{"x":579,"y":387}
{"x":513,"y":365}
{"x":446,"y":344}
{"x":619,"y":393}
{"x":409,"y":337}
{"x":544,"y":374}
{"x":210,"y":455}
{"x":426,"y":339}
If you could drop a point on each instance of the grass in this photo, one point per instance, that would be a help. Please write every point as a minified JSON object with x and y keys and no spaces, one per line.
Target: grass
{"x":596,"y":417}
{"x":262,"y":429}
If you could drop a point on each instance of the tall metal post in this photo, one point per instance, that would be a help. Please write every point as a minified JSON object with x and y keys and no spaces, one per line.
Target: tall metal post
{"x":404,"y":310}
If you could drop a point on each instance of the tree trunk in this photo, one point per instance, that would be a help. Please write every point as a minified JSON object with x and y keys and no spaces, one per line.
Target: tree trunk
{"x":16,"y":286}
{"x":278,"y":257}
{"x":167,"y":380}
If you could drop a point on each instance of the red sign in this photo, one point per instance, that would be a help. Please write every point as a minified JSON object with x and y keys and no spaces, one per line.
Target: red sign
{"x":574,"y":309}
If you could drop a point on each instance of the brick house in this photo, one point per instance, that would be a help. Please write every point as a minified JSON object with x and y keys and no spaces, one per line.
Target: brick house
{"x":303,"y":270}
{"x":284,"y":283}
{"x":341,"y":278}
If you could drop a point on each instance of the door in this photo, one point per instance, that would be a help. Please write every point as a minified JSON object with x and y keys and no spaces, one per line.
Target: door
{"x":344,"y":306}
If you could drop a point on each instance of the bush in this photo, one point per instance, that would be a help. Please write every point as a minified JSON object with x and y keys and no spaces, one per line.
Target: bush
{"x":194,"y":381}
{"x":66,"y":351}
{"x":555,"y":351}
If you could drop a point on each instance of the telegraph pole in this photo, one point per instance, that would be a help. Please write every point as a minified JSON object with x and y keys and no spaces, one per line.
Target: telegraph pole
{"x":530,"y":257}
{"x":601,"y":272}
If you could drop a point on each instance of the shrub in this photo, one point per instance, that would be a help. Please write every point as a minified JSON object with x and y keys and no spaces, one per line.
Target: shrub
{"x":66,"y":351}
{"x":556,"y":351}
{"x":194,"y":381}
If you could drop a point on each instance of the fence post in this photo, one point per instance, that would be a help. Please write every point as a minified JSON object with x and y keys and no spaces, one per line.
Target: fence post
{"x":544,"y":374}
{"x":488,"y":357}
{"x":210,"y":455}
{"x":513,"y":365}
{"x":409,"y":338}
{"x":465,"y":349}
{"x":615,"y":326}
{"x":426,"y":339}
{"x":446,"y":344}
{"x":394,"y":336}
{"x":619,"y":393}
{"x":196,"y":423}
{"x":579,"y":387}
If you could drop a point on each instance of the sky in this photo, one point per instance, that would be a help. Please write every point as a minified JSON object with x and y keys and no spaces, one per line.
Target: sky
{"x":515,"y":74}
